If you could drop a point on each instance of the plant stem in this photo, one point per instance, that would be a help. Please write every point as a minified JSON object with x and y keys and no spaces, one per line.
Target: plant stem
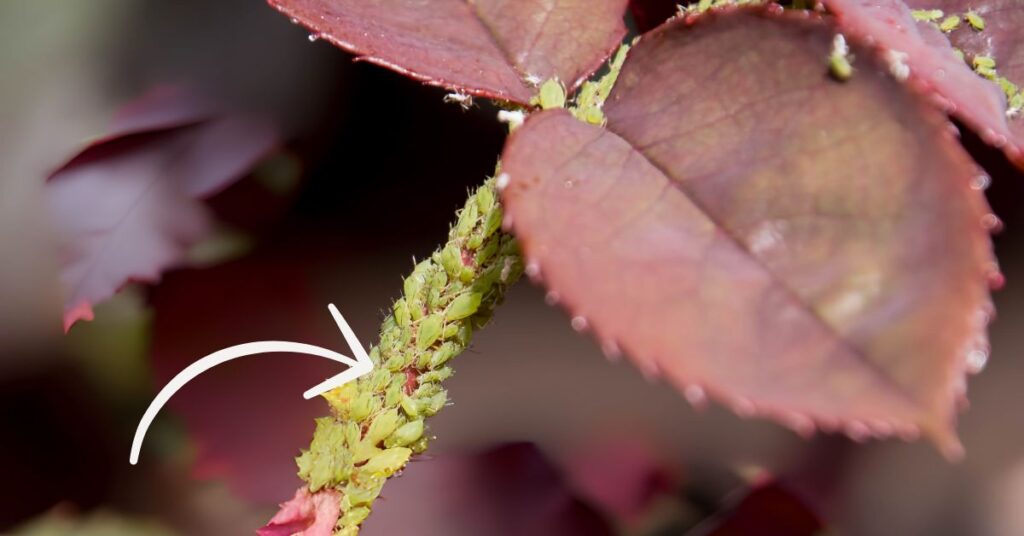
{"x":377,"y":422}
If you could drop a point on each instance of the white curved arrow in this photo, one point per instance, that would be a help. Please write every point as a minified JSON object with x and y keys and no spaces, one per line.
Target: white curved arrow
{"x":357,"y":367}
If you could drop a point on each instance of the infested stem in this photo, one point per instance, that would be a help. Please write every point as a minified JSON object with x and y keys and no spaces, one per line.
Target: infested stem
{"x":377,"y":422}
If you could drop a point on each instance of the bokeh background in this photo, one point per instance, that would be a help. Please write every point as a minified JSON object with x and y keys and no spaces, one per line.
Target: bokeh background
{"x":367,"y":173}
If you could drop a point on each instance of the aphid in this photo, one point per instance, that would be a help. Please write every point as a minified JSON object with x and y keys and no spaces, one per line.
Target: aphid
{"x":464,"y":305}
{"x":383,"y":426}
{"x":1016,"y":105}
{"x":386,"y":462}
{"x":1008,"y":87}
{"x":975,"y":20}
{"x":551,"y":95}
{"x":985,"y":66}
{"x":839,"y":59}
{"x":949,"y":23}
{"x":405,"y":434}
{"x":354,"y":516}
{"x":429,"y":331}
{"x":463,"y":100}
{"x":926,"y":15}
{"x":358,"y":496}
{"x":402,"y":313}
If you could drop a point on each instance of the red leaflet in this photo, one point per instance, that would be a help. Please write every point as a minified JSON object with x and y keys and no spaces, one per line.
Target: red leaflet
{"x":803,"y":248}
{"x":929,"y":60}
{"x":127,"y":207}
{"x":306,"y":514}
{"x":494,"y":48}
{"x":769,"y":509}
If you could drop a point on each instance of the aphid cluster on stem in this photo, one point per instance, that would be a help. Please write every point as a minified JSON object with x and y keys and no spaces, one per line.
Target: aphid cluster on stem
{"x":378,"y":421}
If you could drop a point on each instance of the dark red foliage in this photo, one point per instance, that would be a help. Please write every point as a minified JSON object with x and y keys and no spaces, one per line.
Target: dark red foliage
{"x":495,"y":48}
{"x":747,"y":226}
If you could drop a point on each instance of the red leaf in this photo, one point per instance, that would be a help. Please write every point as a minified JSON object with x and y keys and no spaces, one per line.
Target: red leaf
{"x":305,"y":514}
{"x":933,"y":66}
{"x":127,"y":207}
{"x":485,"y":47}
{"x":622,"y":475}
{"x":803,"y":248}
{"x":769,"y":509}
{"x":1002,"y":39}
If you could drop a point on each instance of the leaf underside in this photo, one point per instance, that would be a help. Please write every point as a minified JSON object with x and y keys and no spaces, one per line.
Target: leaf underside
{"x":494,"y":48}
{"x":801,"y":248}
{"x":935,"y":68}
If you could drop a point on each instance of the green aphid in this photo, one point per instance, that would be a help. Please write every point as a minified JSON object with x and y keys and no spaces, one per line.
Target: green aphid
{"x":435,"y":403}
{"x":493,"y":222}
{"x":452,"y":259}
{"x":927,"y":15}
{"x":1009,"y":88}
{"x":402,"y":313}
{"x":410,"y":406}
{"x":985,"y":66}
{"x":383,"y":426}
{"x":984,"y":61}
{"x":960,"y":54}
{"x":379,"y":379}
{"x":394,"y":392}
{"x":839,"y":59}
{"x":1016,"y":105}
{"x":438,"y":375}
{"x":467,"y":220}
{"x":975,"y":20}
{"x":354,"y":516}
{"x":362,"y":405}
{"x":429,"y":330}
{"x":463,"y":305}
{"x":485,"y":253}
{"x":485,"y":200}
{"x":443,"y":354}
{"x":987,"y":72}
{"x":386,"y":462}
{"x":704,"y":5}
{"x":552,"y":95}
{"x":353,"y":434}
{"x":949,"y":23}
{"x":406,"y":434}
{"x":426,"y":390}
{"x":395,"y":363}
{"x":363,"y":451}
{"x":359,"y":496}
